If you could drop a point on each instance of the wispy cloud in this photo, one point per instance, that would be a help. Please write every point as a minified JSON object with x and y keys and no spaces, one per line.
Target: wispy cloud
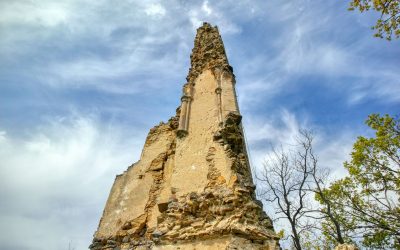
{"x":206,"y":8}
{"x":54,"y":182}
{"x":44,"y":13}
{"x":310,"y":42}
{"x":155,"y":10}
{"x":76,"y":43}
{"x":206,"y":12}
{"x":265,"y":133}
{"x":280,"y":131}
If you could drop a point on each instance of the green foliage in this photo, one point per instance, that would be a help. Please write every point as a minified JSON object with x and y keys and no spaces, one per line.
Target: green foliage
{"x":366,"y":202}
{"x":346,"y":222}
{"x":388,"y":24}
{"x":375,"y":161}
{"x":316,"y":242}
{"x":281,"y":234}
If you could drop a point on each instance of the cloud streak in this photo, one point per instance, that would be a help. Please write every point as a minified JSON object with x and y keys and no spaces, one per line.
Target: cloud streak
{"x":54,"y":182}
{"x":309,"y":44}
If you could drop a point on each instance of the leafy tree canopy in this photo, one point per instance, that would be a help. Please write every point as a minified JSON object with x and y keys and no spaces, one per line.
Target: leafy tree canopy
{"x":367,"y":200}
{"x":388,"y":24}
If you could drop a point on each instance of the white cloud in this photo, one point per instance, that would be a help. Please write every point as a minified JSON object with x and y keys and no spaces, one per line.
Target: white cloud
{"x":281,"y":130}
{"x":55,"y":182}
{"x":3,"y":136}
{"x":214,"y":14}
{"x":303,"y":44}
{"x":85,"y":43}
{"x":101,"y":73}
{"x":334,"y":150}
{"x":263,"y":134}
{"x":156,"y":10}
{"x":326,"y":59}
{"x":301,"y":50}
{"x":44,"y":13}
{"x":93,"y":42}
{"x":206,"y":8}
{"x":310,"y":44}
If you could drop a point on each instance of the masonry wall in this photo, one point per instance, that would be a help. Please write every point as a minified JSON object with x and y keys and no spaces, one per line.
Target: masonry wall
{"x":191,"y":167}
{"x":185,"y":172}
{"x":131,"y":195}
{"x":192,"y":187}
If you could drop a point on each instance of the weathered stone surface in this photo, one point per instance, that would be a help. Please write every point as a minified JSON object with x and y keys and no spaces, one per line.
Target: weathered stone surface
{"x":192,"y":187}
{"x":225,"y":242}
{"x":208,"y":52}
{"x":346,"y":247}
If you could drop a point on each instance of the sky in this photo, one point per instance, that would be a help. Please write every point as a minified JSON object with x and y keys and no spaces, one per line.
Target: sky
{"x":82,"y":82}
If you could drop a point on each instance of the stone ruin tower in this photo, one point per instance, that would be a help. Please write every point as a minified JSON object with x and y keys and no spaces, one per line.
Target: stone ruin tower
{"x":192,"y":187}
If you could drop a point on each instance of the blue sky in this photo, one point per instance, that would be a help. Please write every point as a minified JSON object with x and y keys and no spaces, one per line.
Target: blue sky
{"x":82,"y":82}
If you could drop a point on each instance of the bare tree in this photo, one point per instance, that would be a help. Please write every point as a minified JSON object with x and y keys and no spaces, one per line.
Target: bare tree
{"x":285,"y":180}
{"x":319,"y":181}
{"x":289,"y":180}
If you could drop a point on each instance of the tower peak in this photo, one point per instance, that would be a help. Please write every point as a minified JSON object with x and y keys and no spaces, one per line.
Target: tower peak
{"x":208,"y":52}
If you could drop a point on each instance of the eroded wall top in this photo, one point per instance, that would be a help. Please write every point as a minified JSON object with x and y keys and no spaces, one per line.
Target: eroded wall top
{"x":208,"y":52}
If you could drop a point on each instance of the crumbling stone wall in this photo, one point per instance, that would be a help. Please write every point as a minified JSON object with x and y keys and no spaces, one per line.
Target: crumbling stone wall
{"x":222,"y":209}
{"x":192,"y":187}
{"x":208,"y":52}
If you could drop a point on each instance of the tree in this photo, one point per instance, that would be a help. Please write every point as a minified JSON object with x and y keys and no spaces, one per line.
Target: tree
{"x":329,"y":218}
{"x":367,"y":200}
{"x":388,"y":23}
{"x":284,"y":178}
{"x":290,"y":179}
{"x":336,"y":225}
{"x":318,"y":178}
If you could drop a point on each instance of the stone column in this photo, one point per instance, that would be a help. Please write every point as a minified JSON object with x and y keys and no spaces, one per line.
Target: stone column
{"x":218,"y":76}
{"x":230,"y":79}
{"x":233,"y":81}
{"x":188,"y":100}
{"x":185,"y":111}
